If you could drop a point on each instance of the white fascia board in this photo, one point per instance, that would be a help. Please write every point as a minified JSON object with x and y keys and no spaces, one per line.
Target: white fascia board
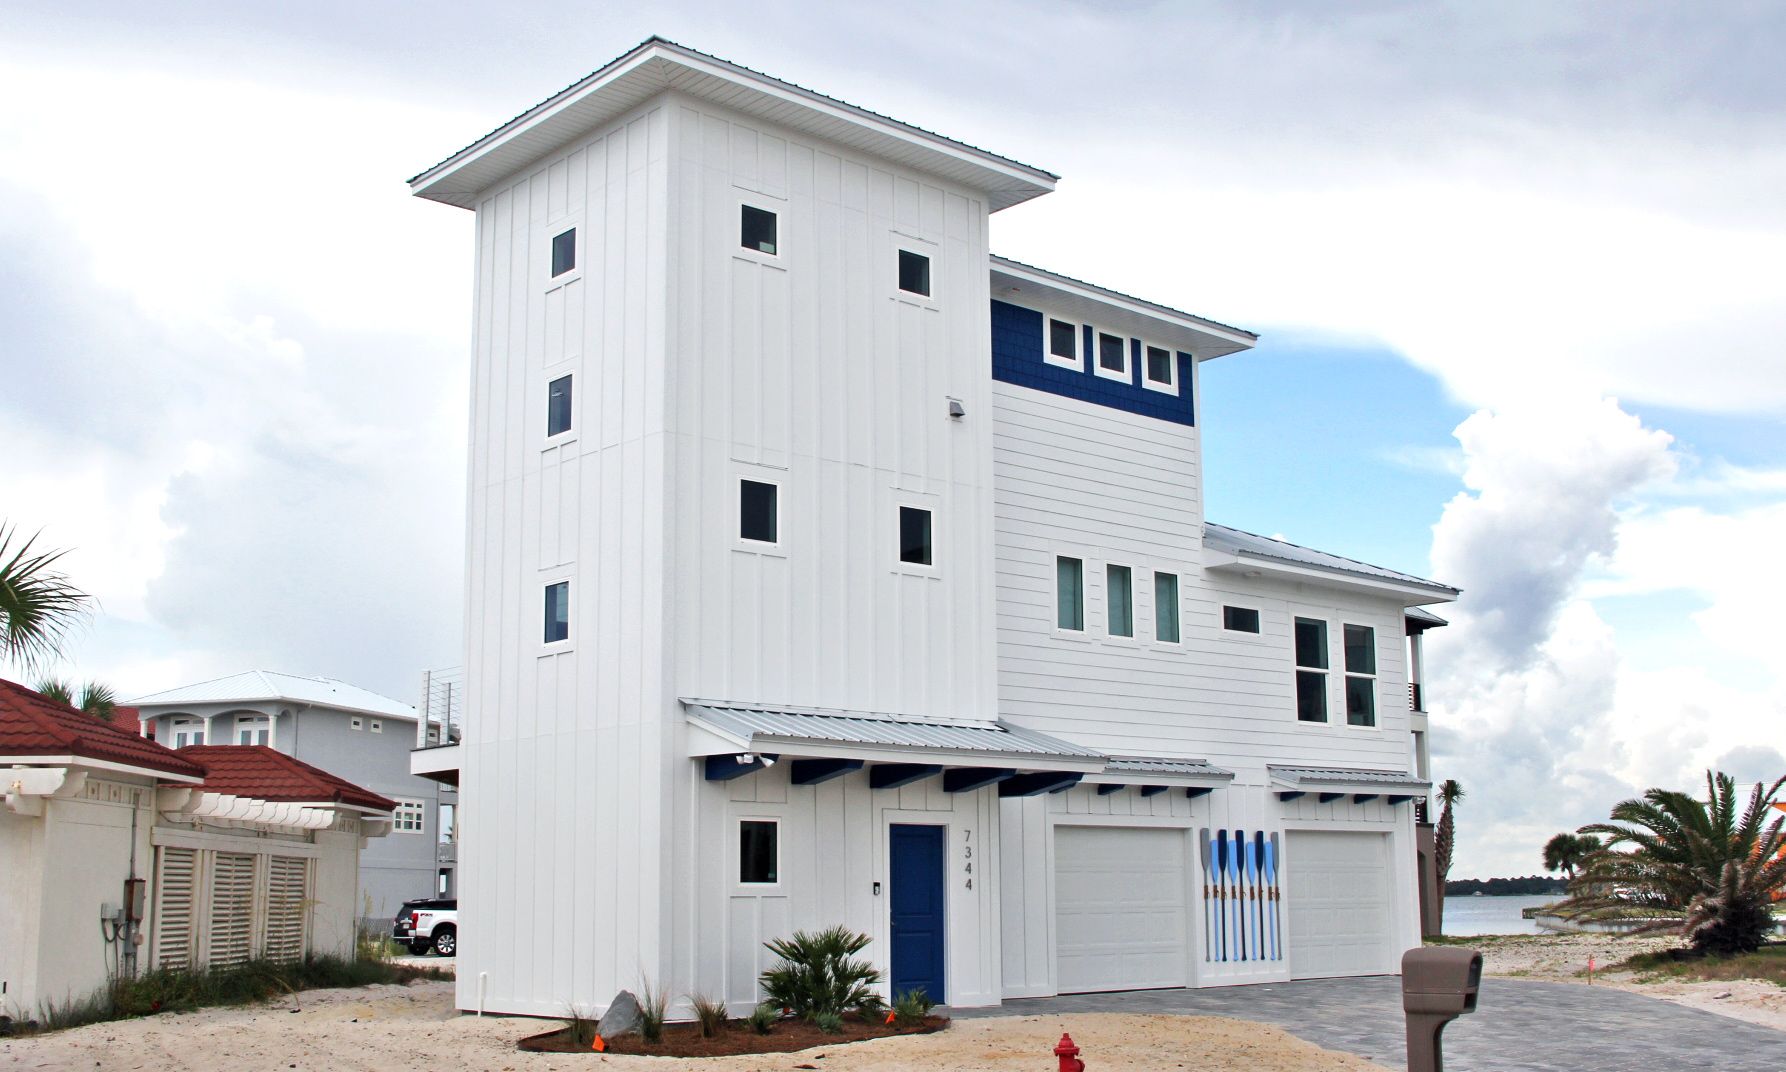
{"x":1211,"y":781}
{"x":1411,"y":595}
{"x":706,"y":739}
{"x":791,"y":748}
{"x":1229,"y":339}
{"x":1310,"y":785}
{"x":98,"y":765}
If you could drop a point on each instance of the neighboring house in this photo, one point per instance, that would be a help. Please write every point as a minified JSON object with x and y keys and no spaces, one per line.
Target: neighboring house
{"x":118,"y":855}
{"x":358,"y":734}
{"x":826,"y":569}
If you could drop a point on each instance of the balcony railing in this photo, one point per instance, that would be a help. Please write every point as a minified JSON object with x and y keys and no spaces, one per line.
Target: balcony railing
{"x":1420,"y":810}
{"x":1416,"y":702}
{"x":442,"y":708}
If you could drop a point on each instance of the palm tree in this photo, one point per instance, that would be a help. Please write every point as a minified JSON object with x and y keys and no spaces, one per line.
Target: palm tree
{"x":38,"y":605}
{"x":1698,"y":868}
{"x":1566,"y":851}
{"x":95,"y":699}
{"x":1445,"y":836}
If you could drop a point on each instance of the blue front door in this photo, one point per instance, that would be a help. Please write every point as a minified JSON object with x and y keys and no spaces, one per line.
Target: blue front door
{"x":915,"y":856}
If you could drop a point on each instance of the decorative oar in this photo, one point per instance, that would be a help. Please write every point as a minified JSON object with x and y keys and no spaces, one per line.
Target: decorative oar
{"x":1239,"y":904}
{"x":1277,"y":939}
{"x":1221,"y":895}
{"x":1254,"y":919}
{"x":1207,"y":859}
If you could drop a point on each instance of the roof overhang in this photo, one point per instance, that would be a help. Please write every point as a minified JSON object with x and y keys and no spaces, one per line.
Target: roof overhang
{"x":1141,"y":770}
{"x":1342,"y":780}
{"x":711,"y":733}
{"x":1249,"y":564}
{"x":436,"y":762}
{"x":106,"y":765}
{"x":1027,"y":285}
{"x":658,"y":66}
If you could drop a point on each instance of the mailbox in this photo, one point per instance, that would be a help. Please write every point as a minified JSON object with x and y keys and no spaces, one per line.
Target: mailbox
{"x":1439,"y":984}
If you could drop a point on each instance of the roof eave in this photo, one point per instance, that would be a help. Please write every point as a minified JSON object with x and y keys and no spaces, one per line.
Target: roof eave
{"x":1411,"y":594}
{"x":1222,"y":339}
{"x":69,"y":759}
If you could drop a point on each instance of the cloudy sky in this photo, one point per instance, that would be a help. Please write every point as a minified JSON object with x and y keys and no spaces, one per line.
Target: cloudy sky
{"x":1520,"y":270}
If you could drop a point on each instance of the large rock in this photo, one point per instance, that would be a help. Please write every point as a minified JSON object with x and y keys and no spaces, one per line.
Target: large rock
{"x":622,"y":1017}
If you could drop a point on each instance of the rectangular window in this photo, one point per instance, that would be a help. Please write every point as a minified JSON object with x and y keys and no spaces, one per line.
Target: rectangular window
{"x":1161,"y":368}
{"x":1361,"y":675}
{"x":1240,"y":619}
{"x":408,"y":817}
{"x":757,"y":230}
{"x":1113,"y":356}
{"x":914,"y":273}
{"x":564,"y":252}
{"x":356,"y":723}
{"x":253,"y":730}
{"x":1165,"y":607}
{"x":188,"y":731}
{"x":914,"y":536}
{"x":1063,"y":343}
{"x":558,"y":612}
{"x":558,"y":406}
{"x":1069,"y":593}
{"x":1311,"y":670}
{"x":1119,"y":596}
{"x":757,"y":511}
{"x":377,"y":726}
{"x":757,"y":852}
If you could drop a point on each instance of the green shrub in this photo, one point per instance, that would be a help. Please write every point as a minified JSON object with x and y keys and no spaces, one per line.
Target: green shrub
{"x":829,"y":1022}
{"x":581,"y":1025}
{"x":872,"y":1008}
{"x":911,"y":1007}
{"x":762,"y":1018}
{"x":710,"y":1014}
{"x":652,"y":1005}
{"x":817,"y":973}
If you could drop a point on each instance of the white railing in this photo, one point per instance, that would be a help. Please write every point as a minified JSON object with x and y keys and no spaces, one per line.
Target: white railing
{"x":442,"y":707}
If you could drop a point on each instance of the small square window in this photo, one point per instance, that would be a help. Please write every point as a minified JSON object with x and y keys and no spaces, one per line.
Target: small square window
{"x":558,"y":406}
{"x":914,"y":536}
{"x":1119,"y":593}
{"x":564,"y":252}
{"x":757,"y":520}
{"x":757,"y":852}
{"x":1165,"y":608}
{"x":1069,"y":593}
{"x":1240,"y":619}
{"x":356,"y":723}
{"x":558,"y":612}
{"x":1112,"y":354}
{"x":757,"y":230}
{"x":376,"y":726}
{"x":914,"y":273}
{"x":1063,"y":343}
{"x":1160,"y":366}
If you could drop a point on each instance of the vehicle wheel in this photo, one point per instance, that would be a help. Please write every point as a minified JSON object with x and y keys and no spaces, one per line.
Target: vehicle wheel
{"x":446,"y":941}
{"x":420,"y":949}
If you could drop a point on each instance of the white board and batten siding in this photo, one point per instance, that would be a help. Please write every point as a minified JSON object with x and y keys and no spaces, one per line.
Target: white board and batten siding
{"x":696,"y":363}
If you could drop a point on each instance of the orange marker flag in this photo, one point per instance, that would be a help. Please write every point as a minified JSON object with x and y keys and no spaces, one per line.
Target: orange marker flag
{"x":600,"y":1045}
{"x":891,"y":1016}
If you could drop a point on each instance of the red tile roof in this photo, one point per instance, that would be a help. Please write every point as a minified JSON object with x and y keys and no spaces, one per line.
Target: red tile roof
{"x":34,"y":725}
{"x":130,"y":720}
{"x":255,"y":770}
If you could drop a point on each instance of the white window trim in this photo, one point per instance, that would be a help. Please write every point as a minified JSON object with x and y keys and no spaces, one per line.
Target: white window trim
{"x":1087,"y":566}
{"x":376,"y":726}
{"x":408,"y":807}
{"x":1221,"y":624}
{"x":1170,"y":386}
{"x":911,"y":243}
{"x":1327,"y":672}
{"x":916,"y":569}
{"x":778,"y":480}
{"x":1127,"y":375}
{"x":1134,"y":638}
{"x":1077,"y":361}
{"x":547,"y":580}
{"x":734,"y":238}
{"x":1346,"y":676}
{"x":356,"y":723}
{"x":549,"y":231}
{"x":738,"y":852}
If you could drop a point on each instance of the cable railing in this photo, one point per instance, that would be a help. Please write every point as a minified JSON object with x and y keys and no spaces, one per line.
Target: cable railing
{"x":442,"y":707}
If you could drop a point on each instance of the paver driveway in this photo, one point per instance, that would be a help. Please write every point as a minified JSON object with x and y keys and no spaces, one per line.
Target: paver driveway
{"x":1519,"y":1026}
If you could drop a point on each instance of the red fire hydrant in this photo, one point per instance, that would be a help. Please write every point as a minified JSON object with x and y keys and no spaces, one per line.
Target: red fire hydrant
{"x":1068,"y":1054}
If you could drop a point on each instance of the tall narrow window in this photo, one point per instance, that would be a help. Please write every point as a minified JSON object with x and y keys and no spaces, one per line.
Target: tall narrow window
{"x":1165,"y":608}
{"x":558,"y":406}
{"x":1069,"y":593}
{"x":757,"y":229}
{"x":757,"y":512}
{"x":1119,"y":593}
{"x":558,"y":612}
{"x":1160,"y":366}
{"x":564,"y":252}
{"x":1063,"y":343}
{"x":758,"y":852}
{"x":1113,"y":355}
{"x":1240,"y":619}
{"x":914,"y":273}
{"x":1311,"y":670}
{"x":914,"y":536}
{"x":1361,"y":675}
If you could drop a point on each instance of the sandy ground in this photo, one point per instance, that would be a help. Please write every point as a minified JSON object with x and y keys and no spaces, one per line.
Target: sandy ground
{"x":1564,"y":958}
{"x":412,"y":1029}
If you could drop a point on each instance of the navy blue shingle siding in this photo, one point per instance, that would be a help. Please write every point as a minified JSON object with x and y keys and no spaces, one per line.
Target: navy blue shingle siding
{"x":1019,"y":342}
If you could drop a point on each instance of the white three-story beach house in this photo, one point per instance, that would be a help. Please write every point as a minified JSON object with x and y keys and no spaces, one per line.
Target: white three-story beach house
{"x":824,"y":568}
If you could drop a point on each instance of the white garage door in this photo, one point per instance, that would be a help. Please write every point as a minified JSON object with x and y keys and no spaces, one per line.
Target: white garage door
{"x":1120,"y":905}
{"x":1338,"y":890}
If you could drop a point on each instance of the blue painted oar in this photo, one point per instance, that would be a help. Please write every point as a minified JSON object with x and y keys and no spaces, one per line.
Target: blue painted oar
{"x":1239,"y":912}
{"x":1206,"y":858}
{"x":1277,"y":945}
{"x":1252,"y":880}
{"x":1221,"y":893}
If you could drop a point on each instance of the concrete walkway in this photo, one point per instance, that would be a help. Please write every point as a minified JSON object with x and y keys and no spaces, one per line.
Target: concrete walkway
{"x":1519,"y":1026}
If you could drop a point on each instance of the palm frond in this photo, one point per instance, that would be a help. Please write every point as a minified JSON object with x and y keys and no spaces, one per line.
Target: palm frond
{"x":38,"y":604}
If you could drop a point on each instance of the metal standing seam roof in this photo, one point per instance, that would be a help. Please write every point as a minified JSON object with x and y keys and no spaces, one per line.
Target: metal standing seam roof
{"x":1164,"y":765}
{"x":737,"y":73}
{"x":864,"y":729}
{"x":1346,"y":776}
{"x":999,"y":263}
{"x":1237,"y":541}
{"x":261,"y":686}
{"x":1424,"y":617}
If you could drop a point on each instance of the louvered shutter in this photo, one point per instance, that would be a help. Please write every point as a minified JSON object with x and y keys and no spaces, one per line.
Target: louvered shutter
{"x":176,"y":871}
{"x":288,"y":889}
{"x":231,"y":933}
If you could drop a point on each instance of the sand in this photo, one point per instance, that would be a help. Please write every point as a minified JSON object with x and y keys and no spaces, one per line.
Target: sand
{"x":411,"y":1029}
{"x":1563,"y":958}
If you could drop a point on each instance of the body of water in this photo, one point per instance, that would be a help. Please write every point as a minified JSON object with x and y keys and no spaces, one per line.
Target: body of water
{"x":1492,"y":915}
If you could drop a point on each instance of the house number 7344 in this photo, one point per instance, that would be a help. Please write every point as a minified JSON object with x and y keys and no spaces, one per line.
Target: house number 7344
{"x":967,"y":849}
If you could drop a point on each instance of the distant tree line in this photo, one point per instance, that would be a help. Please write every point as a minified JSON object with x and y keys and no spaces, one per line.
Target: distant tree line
{"x":1536,"y":885}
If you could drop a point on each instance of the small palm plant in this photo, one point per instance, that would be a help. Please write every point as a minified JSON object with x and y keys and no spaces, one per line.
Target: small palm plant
{"x":38,"y":604}
{"x":818,"y":972}
{"x":92,"y":698}
{"x":1699,"y":868}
